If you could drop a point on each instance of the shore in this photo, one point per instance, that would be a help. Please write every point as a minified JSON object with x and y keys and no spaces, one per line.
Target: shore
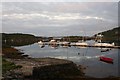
{"x":26,"y":68}
{"x":37,"y":67}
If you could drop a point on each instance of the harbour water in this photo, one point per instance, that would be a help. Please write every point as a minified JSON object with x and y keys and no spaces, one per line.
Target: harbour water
{"x":86,"y":56}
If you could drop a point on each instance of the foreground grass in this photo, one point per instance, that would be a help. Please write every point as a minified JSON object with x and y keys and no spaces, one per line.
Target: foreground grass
{"x":7,"y":66}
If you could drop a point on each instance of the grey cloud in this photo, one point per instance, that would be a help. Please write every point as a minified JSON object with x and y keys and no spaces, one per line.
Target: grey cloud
{"x":59,"y":18}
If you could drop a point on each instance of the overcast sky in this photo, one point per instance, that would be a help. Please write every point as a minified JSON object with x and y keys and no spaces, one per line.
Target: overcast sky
{"x":59,"y":18}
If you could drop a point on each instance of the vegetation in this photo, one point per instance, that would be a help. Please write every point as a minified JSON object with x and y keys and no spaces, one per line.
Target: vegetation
{"x":112,"y":35}
{"x":75,"y":38}
{"x":6,"y":66}
{"x":10,"y":52}
{"x":18,"y":39}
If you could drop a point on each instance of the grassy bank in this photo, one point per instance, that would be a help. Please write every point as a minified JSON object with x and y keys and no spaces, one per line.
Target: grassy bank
{"x":10,"y":52}
{"x":7,"y":66}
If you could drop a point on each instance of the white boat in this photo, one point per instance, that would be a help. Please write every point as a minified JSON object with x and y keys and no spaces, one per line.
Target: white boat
{"x":81,"y":43}
{"x":99,"y":42}
{"x":65,"y":43}
{"x":52,"y":42}
{"x":104,"y":44}
{"x":41,"y":43}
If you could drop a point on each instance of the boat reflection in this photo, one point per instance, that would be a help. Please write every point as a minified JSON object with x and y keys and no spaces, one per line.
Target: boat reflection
{"x":54,"y":46}
{"x":105,"y":49}
{"x":80,"y":47}
{"x":42,"y":46}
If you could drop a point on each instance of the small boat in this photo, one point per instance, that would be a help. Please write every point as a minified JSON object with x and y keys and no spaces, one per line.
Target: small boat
{"x":106,"y":59}
{"x":81,"y":43}
{"x":53,"y":42}
{"x":105,"y":50}
{"x":65,"y":44}
{"x":41,"y":43}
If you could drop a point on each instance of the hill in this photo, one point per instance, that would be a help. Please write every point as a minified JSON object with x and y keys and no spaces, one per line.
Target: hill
{"x":18,"y":39}
{"x":112,"y":35}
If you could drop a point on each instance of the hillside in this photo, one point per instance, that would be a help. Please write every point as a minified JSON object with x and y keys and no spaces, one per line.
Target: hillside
{"x":18,"y":39}
{"x":112,"y":35}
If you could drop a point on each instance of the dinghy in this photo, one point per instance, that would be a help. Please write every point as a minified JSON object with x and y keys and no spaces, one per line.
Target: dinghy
{"x":106,"y":59}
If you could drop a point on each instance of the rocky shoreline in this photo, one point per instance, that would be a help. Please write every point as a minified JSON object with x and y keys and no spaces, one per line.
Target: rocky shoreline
{"x":45,"y":68}
{"x":38,"y":68}
{"x":27,"y":68}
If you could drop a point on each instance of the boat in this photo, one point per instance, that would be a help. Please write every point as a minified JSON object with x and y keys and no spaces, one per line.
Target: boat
{"x":53,"y":42}
{"x":65,"y":43}
{"x":81,"y":43}
{"x":105,"y":50}
{"x":41,"y":43}
{"x":99,"y":42}
{"x":104,"y":44}
{"x":106,"y":59}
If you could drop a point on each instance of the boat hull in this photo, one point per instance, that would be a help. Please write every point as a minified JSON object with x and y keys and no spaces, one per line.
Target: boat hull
{"x":105,"y":59}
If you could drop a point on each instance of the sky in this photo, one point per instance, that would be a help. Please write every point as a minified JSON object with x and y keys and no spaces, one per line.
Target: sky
{"x":60,"y":0}
{"x":59,"y":18}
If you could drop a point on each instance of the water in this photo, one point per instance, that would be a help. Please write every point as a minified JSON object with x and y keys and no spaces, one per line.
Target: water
{"x":88,"y":57}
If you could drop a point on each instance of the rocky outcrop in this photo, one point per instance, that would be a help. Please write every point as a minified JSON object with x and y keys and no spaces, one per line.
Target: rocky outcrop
{"x":56,"y":71}
{"x":45,"y":68}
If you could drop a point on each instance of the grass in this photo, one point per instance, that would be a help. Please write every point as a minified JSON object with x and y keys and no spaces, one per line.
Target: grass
{"x":7,"y":66}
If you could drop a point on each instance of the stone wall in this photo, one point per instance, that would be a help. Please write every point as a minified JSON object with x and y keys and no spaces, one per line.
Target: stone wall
{"x":56,"y":71}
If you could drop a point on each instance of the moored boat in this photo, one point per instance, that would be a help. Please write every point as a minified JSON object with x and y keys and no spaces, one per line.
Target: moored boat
{"x":106,"y":59}
{"x":81,"y":43}
{"x":41,"y":43}
{"x":104,"y":44}
{"x":105,"y":49}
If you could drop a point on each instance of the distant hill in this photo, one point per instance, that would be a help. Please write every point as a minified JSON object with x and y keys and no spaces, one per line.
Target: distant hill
{"x":18,"y":39}
{"x":112,"y":35}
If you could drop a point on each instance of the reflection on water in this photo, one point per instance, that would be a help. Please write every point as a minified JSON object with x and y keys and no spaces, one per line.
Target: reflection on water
{"x":86,"y":56}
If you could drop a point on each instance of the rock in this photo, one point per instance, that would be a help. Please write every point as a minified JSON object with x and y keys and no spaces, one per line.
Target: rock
{"x":45,"y":68}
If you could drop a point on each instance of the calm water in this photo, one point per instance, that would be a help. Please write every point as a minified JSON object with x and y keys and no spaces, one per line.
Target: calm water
{"x":88,"y":57}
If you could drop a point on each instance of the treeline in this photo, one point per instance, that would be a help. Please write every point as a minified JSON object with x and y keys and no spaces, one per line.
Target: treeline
{"x":18,"y":39}
{"x":75,"y":38}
